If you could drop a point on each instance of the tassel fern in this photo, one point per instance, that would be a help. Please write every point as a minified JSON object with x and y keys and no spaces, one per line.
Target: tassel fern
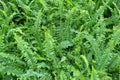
{"x":59,"y":40}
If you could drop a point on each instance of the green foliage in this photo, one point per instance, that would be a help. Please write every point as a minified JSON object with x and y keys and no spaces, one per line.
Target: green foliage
{"x":59,"y":40}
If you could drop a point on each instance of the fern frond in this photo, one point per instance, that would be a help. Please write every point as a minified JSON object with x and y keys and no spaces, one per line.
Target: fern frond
{"x":49,"y":44}
{"x":49,"y":48}
{"x":1,"y":42}
{"x":4,"y":6}
{"x":95,"y":46}
{"x":25,"y":50}
{"x":11,"y":64}
{"x":30,"y":74}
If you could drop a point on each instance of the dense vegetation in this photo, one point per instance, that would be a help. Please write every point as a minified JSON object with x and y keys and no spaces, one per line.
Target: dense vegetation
{"x":59,"y":40}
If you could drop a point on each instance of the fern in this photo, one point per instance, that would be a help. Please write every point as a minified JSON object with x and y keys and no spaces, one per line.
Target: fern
{"x":49,"y":48}
{"x":2,"y":42}
{"x":59,"y":39}
{"x":28,"y":54}
{"x":11,"y":65}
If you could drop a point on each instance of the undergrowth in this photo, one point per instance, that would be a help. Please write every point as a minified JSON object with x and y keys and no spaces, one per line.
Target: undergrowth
{"x":59,"y":40}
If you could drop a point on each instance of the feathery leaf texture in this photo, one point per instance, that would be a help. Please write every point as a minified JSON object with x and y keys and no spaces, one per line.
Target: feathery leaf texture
{"x":59,"y":40}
